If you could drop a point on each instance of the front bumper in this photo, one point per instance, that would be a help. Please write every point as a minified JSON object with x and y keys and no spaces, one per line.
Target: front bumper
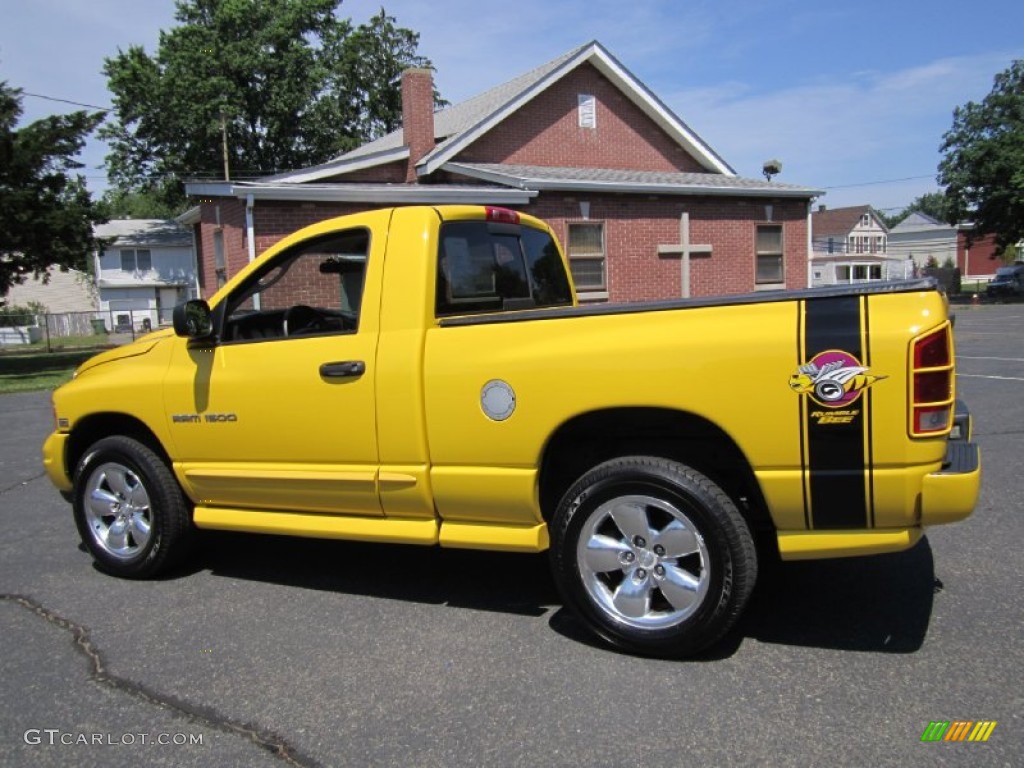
{"x":54,"y":463}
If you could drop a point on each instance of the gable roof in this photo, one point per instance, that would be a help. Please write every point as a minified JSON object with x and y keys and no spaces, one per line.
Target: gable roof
{"x":920,"y":222}
{"x":158,"y":233}
{"x":839,"y":221}
{"x":458,"y":126}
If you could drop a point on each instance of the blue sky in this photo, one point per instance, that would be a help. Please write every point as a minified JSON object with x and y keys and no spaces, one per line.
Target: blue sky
{"x":853,"y":98}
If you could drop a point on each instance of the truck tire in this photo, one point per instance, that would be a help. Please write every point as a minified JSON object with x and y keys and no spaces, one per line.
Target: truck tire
{"x":653,"y":556}
{"x":129,"y":509}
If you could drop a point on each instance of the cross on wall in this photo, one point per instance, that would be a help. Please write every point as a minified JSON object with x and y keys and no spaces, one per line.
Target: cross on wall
{"x":684,"y":249}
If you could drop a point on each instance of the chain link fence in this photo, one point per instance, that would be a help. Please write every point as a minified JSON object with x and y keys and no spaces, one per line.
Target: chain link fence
{"x":77,"y":330}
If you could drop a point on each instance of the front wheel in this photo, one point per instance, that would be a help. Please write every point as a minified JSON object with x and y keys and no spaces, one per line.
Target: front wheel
{"x":653,"y":556}
{"x":129,"y":509}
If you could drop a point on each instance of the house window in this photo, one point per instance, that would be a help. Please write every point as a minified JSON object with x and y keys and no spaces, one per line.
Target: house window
{"x":136,"y":260}
{"x":769,"y":254}
{"x":218,"y":257}
{"x":865,"y":220}
{"x":587,"y":110}
{"x":587,"y":257}
{"x":843,"y":273}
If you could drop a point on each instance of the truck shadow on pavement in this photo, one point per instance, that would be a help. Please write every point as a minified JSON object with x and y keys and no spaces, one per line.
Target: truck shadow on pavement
{"x":877,"y":604}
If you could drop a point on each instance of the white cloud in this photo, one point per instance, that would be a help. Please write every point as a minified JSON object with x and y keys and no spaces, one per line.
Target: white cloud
{"x":867,"y":128}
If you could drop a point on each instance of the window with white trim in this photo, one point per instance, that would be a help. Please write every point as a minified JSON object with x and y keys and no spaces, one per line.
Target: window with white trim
{"x":769,"y":255}
{"x":587,"y":256}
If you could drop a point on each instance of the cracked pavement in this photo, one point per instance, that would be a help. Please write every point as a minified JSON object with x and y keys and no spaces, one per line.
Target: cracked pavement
{"x":288,"y":652}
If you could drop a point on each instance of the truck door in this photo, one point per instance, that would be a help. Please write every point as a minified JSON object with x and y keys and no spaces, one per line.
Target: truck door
{"x":279,"y":412}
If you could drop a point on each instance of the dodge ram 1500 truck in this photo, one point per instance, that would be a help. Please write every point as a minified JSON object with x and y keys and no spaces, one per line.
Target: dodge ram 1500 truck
{"x":425,"y":375}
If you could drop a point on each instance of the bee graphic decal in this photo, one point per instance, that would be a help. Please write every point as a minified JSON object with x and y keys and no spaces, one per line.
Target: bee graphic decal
{"x":833,"y":379}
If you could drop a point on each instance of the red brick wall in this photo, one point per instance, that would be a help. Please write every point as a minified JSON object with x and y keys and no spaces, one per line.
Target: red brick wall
{"x":271,"y":220}
{"x":228,"y":216}
{"x":982,"y":258}
{"x":635,"y":227}
{"x":546,"y":132}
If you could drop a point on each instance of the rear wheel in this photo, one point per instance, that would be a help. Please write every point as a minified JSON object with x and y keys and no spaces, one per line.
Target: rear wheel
{"x":653,"y":556}
{"x":129,"y":510}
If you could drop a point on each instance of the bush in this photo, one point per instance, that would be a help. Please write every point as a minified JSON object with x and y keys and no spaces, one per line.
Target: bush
{"x":11,"y":316}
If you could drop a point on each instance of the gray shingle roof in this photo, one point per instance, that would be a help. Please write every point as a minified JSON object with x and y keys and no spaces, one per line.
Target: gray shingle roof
{"x":144,"y":232}
{"x":544,"y":177}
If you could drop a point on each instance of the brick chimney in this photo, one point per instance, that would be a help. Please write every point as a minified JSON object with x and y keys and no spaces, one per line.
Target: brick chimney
{"x":417,"y":116}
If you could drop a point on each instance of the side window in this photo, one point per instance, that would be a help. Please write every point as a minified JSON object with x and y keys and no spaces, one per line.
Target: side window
{"x":487,"y":267}
{"x":314,"y":288}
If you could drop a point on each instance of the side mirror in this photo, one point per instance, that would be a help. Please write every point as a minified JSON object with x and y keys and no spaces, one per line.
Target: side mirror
{"x":193,"y":319}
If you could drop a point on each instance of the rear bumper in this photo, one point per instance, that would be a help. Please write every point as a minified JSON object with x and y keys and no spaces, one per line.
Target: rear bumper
{"x":947,"y":495}
{"x":951,"y":493}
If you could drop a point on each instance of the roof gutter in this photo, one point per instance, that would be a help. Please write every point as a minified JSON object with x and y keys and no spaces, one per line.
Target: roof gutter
{"x":386,"y":194}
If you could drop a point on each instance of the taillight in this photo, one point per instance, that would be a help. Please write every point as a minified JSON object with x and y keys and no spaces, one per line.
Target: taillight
{"x":932,"y":394}
{"x":501,"y":215}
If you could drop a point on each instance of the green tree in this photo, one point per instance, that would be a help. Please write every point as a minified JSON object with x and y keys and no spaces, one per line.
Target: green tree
{"x":368,"y":71}
{"x":46,"y":214}
{"x":141,"y":204}
{"x":982,"y":167}
{"x":283,"y":84}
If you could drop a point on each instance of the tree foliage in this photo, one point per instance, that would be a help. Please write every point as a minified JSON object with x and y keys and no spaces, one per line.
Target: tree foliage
{"x":983,"y":160}
{"x":46,"y":214}
{"x":287,"y":81}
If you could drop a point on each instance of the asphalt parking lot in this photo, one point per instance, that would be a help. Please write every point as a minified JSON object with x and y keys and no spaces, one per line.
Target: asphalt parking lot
{"x":270,"y":651}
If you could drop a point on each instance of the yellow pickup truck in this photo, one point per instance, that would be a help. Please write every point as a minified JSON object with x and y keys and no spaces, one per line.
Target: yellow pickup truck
{"x":425,"y":375}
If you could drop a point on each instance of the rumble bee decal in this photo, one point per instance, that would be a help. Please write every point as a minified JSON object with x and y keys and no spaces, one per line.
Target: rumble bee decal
{"x":833,"y":379}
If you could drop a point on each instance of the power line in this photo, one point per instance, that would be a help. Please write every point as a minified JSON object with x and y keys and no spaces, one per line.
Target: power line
{"x":884,"y":181}
{"x":66,"y":101}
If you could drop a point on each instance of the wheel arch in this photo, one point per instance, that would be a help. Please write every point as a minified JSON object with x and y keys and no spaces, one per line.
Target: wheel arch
{"x":589,"y":439}
{"x":99,"y":425}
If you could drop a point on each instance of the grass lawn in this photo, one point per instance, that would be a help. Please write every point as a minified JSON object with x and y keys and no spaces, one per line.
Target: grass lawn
{"x":27,"y":371}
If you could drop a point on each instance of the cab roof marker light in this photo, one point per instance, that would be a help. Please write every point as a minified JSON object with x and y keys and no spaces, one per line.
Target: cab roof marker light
{"x":501,"y":215}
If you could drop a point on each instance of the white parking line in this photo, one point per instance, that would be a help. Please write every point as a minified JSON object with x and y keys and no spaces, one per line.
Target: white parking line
{"x":1003,"y":359}
{"x":1000,"y":378}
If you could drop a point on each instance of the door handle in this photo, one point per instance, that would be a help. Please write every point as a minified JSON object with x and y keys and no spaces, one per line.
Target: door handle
{"x":343,"y":370}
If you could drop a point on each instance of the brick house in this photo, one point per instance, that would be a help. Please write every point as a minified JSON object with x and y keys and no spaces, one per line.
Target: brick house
{"x":644,"y":207}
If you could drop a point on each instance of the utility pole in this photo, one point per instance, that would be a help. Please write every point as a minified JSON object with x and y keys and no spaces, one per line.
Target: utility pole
{"x":224,"y":143}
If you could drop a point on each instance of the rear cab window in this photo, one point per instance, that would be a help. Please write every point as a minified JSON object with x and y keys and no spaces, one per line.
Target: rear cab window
{"x":487,"y":266}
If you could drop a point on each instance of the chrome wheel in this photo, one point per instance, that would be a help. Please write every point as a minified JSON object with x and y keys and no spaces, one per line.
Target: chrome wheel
{"x":117,"y":510}
{"x":643,"y":562}
{"x":652,"y":556}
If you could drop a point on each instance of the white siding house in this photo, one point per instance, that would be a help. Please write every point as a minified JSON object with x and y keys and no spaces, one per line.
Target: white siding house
{"x":921,"y":238}
{"x":851,"y":245}
{"x":144,"y":269}
{"x":70,"y":291}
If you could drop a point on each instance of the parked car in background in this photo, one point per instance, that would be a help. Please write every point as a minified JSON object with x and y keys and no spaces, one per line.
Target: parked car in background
{"x":1008,"y":281}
